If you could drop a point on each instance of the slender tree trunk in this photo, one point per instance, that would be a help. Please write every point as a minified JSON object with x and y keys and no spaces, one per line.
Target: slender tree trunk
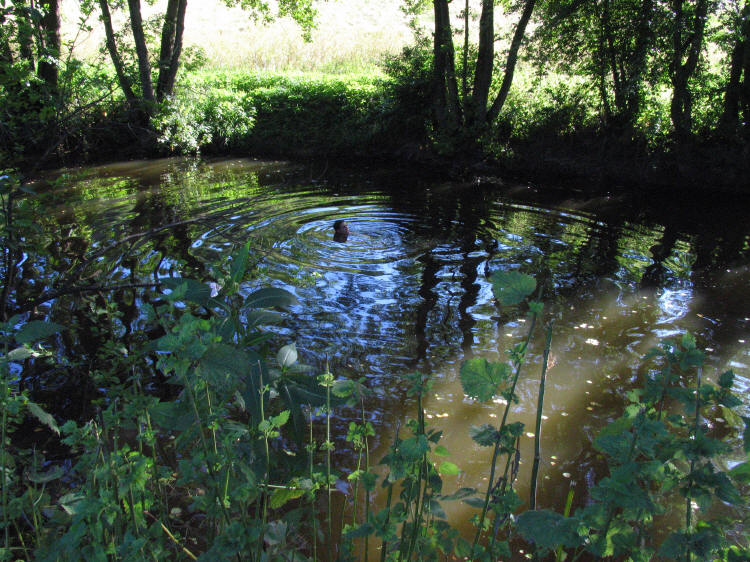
{"x":682,"y":104}
{"x":510,"y":63}
{"x":447,"y":108}
{"x":144,"y":66}
{"x":477,"y":108}
{"x":637,"y":63}
{"x":174,"y":62}
{"x":114,"y":54}
{"x":733,"y":88}
{"x":50,"y":47}
{"x":465,"y":73}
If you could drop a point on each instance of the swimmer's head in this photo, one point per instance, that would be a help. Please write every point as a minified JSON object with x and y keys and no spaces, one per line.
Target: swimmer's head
{"x":340,"y":227}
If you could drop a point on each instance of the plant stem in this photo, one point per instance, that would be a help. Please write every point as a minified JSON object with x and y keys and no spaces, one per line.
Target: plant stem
{"x":497,"y":442}
{"x":329,"y":522}
{"x":538,"y":428}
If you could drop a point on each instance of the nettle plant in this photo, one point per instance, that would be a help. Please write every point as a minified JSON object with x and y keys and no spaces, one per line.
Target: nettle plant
{"x":661,"y":453}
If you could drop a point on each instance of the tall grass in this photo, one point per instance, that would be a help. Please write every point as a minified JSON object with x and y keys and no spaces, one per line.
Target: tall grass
{"x":350,"y":35}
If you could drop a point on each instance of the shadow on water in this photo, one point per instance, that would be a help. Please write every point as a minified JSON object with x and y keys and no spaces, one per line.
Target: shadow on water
{"x":408,"y":289}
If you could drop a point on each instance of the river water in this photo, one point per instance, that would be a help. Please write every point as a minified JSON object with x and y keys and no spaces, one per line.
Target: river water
{"x":408,"y":289}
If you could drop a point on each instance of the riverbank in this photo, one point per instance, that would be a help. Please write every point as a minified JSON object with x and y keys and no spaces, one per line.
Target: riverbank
{"x":372,"y":118}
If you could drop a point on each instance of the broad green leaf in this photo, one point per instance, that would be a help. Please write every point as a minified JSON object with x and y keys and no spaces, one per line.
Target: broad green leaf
{"x":72,"y":502}
{"x":413,"y":448}
{"x":460,"y":494}
{"x":726,"y":379}
{"x":43,"y":417}
{"x":358,"y":532}
{"x":270,"y":297}
{"x":221,"y":361}
{"x":281,"y":496}
{"x":195,"y":291}
{"x":482,"y":379}
{"x":441,"y":451}
{"x":37,"y":330}
{"x":171,"y":416}
{"x":548,"y":529}
{"x":688,"y":341}
{"x":437,"y":510}
{"x":44,"y":477}
{"x":484,"y":435}
{"x":448,"y":468}
{"x":20,"y":353}
{"x":511,"y":287}
{"x":287,"y":355}
{"x":281,"y":419}
{"x":474,"y":501}
{"x":239,"y":263}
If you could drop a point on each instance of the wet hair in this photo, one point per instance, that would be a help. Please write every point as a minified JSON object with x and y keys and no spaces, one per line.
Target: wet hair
{"x":337,"y":224}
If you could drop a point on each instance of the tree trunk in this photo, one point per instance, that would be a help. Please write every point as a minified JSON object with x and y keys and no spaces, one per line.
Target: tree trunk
{"x":122,"y":78}
{"x":447,"y":108}
{"x":171,"y":47}
{"x":637,"y":64}
{"x":681,"y":107}
{"x":733,"y":89}
{"x":510,"y":63}
{"x":144,"y":66}
{"x":465,"y":72}
{"x":477,"y":108}
{"x":50,"y":47}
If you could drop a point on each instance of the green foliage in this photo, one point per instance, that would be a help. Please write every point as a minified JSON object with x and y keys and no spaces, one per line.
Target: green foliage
{"x":198,"y":116}
{"x":482,"y":379}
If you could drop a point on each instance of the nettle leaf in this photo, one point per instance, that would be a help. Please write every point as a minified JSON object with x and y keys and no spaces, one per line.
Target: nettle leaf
{"x":692,"y":358}
{"x":43,"y":417}
{"x":726,"y":379}
{"x":220,"y":361}
{"x":482,"y":379}
{"x":448,"y":469}
{"x":511,"y":287}
{"x":270,"y":297}
{"x":37,"y":330}
{"x":44,"y":477}
{"x":281,"y":496}
{"x":281,"y":419}
{"x":287,"y":355}
{"x":413,"y":448}
{"x":548,"y":529}
{"x":688,"y":341}
{"x":484,"y":435}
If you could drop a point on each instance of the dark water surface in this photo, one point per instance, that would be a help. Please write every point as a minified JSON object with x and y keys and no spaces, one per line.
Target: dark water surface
{"x":408,"y":289}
